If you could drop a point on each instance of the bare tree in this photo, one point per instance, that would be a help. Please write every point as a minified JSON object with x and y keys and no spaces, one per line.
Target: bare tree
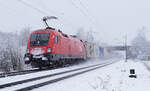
{"x":85,"y":35}
{"x":23,"y":36}
{"x":141,"y":45}
{"x":11,"y":55}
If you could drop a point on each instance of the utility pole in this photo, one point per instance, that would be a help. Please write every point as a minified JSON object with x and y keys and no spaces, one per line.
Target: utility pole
{"x":126,"y":49}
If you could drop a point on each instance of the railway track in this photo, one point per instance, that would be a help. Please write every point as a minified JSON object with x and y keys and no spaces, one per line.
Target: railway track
{"x":146,"y":65}
{"x":18,"y":73}
{"x":32,"y":83}
{"x":7,"y":74}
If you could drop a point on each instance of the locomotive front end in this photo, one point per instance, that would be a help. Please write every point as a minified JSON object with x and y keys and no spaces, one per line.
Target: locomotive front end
{"x":38,"y":48}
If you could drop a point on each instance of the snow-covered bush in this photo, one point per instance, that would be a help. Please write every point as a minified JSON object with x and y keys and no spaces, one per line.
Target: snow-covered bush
{"x":23,"y":36}
{"x":5,"y":62}
{"x":85,"y":35}
{"x":11,"y":53}
{"x":140,"y":45}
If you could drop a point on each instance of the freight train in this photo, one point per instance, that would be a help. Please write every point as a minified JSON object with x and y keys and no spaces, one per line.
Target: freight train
{"x":48,"y":47}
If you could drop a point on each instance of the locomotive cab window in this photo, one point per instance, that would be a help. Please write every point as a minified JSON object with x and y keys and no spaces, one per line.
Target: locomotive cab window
{"x":39,"y":39}
{"x":56,"y":39}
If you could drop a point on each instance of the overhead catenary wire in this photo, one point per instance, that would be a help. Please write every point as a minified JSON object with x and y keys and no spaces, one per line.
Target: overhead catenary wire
{"x":61,"y":15}
{"x":85,"y":13}
{"x":88,"y":12}
{"x":95,"y":22}
{"x":85,"y":9}
{"x":44,"y":12}
{"x":80,"y":10}
{"x":31,"y":6}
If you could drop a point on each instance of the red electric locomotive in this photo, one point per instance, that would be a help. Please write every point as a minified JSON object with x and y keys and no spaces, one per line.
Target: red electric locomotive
{"x":49,"y":47}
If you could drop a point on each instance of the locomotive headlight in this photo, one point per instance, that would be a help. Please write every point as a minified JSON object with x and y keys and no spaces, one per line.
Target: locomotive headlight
{"x":48,"y":49}
{"x":27,"y":51}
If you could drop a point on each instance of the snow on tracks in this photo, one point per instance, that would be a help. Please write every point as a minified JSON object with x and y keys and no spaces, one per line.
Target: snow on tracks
{"x":39,"y":81}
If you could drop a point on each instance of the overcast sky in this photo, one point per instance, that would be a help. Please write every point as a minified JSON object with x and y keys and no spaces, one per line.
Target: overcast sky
{"x":110,"y":20}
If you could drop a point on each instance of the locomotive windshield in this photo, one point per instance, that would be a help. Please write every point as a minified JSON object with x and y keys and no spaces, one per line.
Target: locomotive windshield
{"x":39,"y":39}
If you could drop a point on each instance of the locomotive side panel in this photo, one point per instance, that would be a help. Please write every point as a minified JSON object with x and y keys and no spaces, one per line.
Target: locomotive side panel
{"x":56,"y":46}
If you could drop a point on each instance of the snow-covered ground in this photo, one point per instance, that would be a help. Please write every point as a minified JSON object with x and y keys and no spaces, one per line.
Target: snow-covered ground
{"x":114,"y":77}
{"x":147,"y":63}
{"x":37,"y":74}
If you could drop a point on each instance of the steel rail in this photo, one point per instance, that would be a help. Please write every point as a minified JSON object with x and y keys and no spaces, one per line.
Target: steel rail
{"x":59,"y":79}
{"x":47,"y":76}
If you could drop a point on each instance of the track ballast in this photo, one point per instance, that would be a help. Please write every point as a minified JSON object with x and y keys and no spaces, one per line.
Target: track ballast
{"x":52,"y":78}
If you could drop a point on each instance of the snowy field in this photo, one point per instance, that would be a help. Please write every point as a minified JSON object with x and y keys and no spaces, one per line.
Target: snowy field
{"x":37,"y":74}
{"x":114,"y":77}
{"x":147,"y":63}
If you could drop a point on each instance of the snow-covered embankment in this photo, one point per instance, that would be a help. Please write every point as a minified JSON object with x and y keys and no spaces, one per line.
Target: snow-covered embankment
{"x":114,"y":77}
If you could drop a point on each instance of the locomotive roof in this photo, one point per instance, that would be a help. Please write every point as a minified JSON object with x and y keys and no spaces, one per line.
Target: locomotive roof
{"x":43,"y":31}
{"x":54,"y":31}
